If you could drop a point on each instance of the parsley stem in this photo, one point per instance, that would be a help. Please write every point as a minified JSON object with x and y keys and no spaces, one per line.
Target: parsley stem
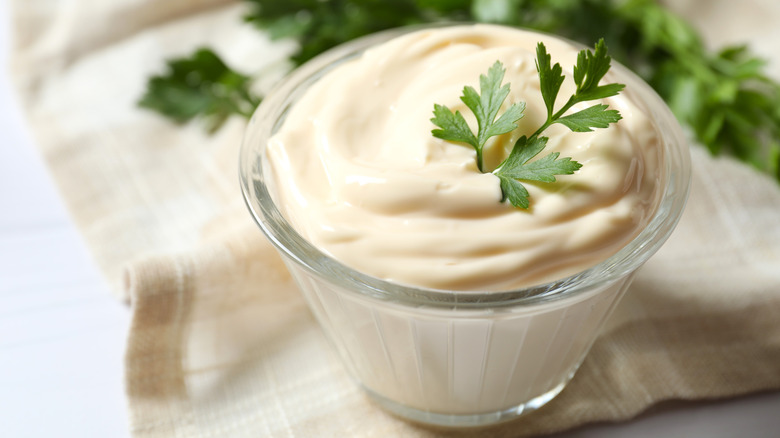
{"x":480,"y":166}
{"x":552,"y":118}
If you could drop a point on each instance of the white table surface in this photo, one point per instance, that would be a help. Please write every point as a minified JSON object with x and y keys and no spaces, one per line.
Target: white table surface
{"x":62,"y":334}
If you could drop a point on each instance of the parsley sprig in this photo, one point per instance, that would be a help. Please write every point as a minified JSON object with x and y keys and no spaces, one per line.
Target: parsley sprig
{"x":201,"y":85}
{"x":590,"y":69}
{"x":588,"y":72}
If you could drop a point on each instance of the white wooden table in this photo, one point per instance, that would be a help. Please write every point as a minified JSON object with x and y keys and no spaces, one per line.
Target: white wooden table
{"x":62,"y":334}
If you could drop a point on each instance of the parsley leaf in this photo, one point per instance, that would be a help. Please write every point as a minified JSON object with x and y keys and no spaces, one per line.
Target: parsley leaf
{"x":200,"y":85}
{"x":590,"y":69}
{"x":597,"y":116}
{"x":454,"y":126}
{"x":485,"y":106}
{"x":553,"y":78}
{"x":517,"y":167}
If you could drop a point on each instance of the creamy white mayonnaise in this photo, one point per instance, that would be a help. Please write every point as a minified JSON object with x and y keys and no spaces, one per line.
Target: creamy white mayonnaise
{"x":358,"y":173}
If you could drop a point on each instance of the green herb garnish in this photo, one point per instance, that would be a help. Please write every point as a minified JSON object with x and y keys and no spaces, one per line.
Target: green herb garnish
{"x":200,"y":85}
{"x":590,"y":69}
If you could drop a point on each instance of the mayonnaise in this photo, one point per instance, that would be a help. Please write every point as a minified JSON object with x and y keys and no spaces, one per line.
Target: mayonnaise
{"x":358,"y":173}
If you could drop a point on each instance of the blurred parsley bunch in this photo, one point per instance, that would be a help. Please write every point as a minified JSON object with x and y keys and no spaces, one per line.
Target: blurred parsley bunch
{"x":724,"y":98}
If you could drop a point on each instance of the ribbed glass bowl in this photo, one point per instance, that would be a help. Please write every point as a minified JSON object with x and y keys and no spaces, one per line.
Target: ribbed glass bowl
{"x":455,"y":358}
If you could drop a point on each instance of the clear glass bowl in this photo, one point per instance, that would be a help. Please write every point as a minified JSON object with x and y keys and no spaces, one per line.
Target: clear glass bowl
{"x":455,"y":358}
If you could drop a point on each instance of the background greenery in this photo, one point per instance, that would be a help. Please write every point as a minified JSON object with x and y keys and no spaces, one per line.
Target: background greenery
{"x":724,"y":97}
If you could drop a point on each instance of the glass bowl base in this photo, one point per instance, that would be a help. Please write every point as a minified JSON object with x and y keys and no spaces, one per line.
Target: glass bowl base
{"x":465,"y":420}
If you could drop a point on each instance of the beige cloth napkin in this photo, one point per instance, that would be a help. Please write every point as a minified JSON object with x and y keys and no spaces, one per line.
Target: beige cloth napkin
{"x":221,"y":342}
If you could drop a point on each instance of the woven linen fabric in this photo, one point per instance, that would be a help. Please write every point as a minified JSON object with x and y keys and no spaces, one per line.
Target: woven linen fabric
{"x":221,"y":342}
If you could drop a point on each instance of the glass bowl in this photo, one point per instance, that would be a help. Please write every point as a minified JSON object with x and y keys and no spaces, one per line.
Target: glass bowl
{"x":455,"y":358}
